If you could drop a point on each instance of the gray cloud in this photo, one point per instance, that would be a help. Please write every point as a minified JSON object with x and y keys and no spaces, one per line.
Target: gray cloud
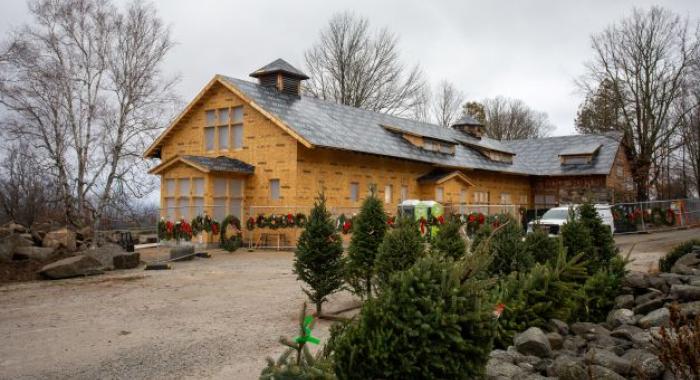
{"x":531,"y":50}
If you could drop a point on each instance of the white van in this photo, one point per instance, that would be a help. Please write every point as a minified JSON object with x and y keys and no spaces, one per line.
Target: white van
{"x":554,"y":218}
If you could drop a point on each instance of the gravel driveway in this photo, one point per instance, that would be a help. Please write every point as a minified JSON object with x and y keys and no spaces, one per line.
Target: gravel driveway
{"x":209,"y":318}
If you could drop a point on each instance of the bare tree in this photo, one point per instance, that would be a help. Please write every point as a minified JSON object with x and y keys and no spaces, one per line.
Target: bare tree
{"x":83,"y":85}
{"x":644,"y":58}
{"x":509,"y":119}
{"x":354,"y":66}
{"x":446,"y":104}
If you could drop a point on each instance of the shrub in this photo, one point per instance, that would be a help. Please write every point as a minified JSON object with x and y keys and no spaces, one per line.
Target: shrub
{"x":666,"y":262}
{"x":368,"y":232}
{"x":599,"y":292}
{"x":448,"y":241}
{"x":533,"y":298}
{"x":678,"y":346}
{"x":604,"y":249}
{"x":506,"y":249}
{"x":576,"y":237}
{"x":400,"y":249}
{"x":541,"y":247}
{"x":297,"y":362}
{"x":319,"y":255}
{"x":429,"y":322}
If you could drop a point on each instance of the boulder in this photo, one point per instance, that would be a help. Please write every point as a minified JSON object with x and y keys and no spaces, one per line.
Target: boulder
{"x":625,"y":301}
{"x":84,"y":233}
{"x":685,"y":293}
{"x":81,"y":265}
{"x":574,"y":343}
{"x":636,"y":280}
{"x":498,"y":370}
{"x":10,"y":243}
{"x":555,"y":340}
{"x":649,"y":306}
{"x":559,"y":326}
{"x":105,"y":254}
{"x":625,"y":332}
{"x":608,"y":360}
{"x":62,"y":238}
{"x":658,"y":317}
{"x":566,"y":367}
{"x":647,"y":364}
{"x":656,"y":282}
{"x":33,"y":253}
{"x":15,"y":228}
{"x":127,"y":260}
{"x":652,"y":294}
{"x":690,"y":309}
{"x":688,"y":264}
{"x":585,"y":328}
{"x":601,"y":373}
{"x":533,"y":342}
{"x":620,"y":317}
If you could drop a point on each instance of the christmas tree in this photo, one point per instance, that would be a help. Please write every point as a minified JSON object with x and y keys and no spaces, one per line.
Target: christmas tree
{"x":368,"y":232}
{"x":400,"y":249}
{"x":319,"y":255}
{"x":604,"y":249}
{"x":448,"y":240}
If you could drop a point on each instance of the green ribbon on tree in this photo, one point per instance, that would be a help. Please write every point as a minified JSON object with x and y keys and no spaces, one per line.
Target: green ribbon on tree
{"x":307,"y":338}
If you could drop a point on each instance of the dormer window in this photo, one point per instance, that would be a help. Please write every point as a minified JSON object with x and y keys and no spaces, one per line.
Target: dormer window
{"x":438,"y":146}
{"x":582,"y":154}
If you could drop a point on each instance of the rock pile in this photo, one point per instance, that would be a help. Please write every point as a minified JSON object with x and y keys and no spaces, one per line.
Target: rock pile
{"x":620,"y":348}
{"x":60,"y":253}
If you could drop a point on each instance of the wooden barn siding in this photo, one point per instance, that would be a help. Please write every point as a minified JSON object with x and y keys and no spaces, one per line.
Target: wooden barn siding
{"x":618,"y":182}
{"x":265,"y":145}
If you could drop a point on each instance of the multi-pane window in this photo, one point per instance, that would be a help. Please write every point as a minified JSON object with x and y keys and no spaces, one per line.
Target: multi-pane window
{"x":170,"y":211}
{"x":224,"y":129}
{"x":463,"y":196}
{"x":274,"y":189}
{"x":619,"y":171}
{"x":198,"y":196}
{"x":183,"y":185}
{"x":545,"y":200}
{"x":523,"y":200}
{"x":220,"y":196}
{"x":481,"y":197}
{"x":236,"y":197}
{"x":404,"y":192}
{"x":506,"y":199}
{"x":439,"y":194}
{"x":354,"y":191}
{"x":388,"y":189}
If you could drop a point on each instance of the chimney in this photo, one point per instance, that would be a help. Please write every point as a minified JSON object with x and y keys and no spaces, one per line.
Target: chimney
{"x":280,"y":75}
{"x":470,"y":126}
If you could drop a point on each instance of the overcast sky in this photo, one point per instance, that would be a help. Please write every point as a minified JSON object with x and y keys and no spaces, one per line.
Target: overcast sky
{"x":531,"y":50}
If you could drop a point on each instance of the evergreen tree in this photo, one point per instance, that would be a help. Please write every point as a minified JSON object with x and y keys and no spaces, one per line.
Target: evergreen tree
{"x":400,"y":249}
{"x":448,"y":240}
{"x":604,"y":249}
{"x":576,"y":237}
{"x":540,"y":246}
{"x":368,"y":232}
{"x":507,"y":251}
{"x":319,"y":255}
{"x":431,"y":321}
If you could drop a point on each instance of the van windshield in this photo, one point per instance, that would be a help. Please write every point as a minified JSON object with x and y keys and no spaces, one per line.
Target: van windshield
{"x":561,"y":213}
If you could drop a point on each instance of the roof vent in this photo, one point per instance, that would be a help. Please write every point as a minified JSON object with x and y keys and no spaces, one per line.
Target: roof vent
{"x":280,"y":75}
{"x":470,"y":126}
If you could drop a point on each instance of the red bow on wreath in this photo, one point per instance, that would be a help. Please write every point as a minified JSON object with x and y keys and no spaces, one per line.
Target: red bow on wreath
{"x":290,"y":219}
{"x":423,"y":222}
{"x":346,"y":226}
{"x":441,"y":219}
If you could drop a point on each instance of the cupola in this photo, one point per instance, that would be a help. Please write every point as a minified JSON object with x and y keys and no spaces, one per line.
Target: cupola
{"x":280,"y":75}
{"x":470,"y":126}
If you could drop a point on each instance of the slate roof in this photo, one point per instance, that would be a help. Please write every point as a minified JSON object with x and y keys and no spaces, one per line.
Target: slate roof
{"x":279,"y":66}
{"x":328,"y":124}
{"x":581,"y":149}
{"x":221,"y":164}
{"x":466,"y":120}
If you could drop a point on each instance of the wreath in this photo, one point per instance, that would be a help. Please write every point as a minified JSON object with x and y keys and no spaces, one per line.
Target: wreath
{"x":391,"y":221}
{"x":273,"y":222}
{"x":289,"y":221}
{"x":233,"y":221}
{"x":165,"y":229}
{"x":197,"y":225}
{"x":300,"y":220}
{"x":250,"y":224}
{"x":261,"y":221}
{"x":347,"y":226}
{"x":182,"y":230}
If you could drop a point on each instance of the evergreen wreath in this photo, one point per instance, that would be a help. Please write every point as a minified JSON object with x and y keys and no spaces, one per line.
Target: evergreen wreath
{"x":230,"y":220}
{"x":197,"y":225}
{"x":300,"y":220}
{"x":250,"y":224}
{"x":289,"y":221}
{"x":670,"y":217}
{"x":261,"y":221}
{"x":273,"y":222}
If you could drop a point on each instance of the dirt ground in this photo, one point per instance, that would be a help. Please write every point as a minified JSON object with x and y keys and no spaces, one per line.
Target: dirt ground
{"x":212,"y":318}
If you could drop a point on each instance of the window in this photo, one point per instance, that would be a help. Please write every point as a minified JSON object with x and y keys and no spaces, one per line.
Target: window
{"x":274,"y":189}
{"x":388,"y":189}
{"x":183,"y":185}
{"x":505,"y":199}
{"x":545,"y":200}
{"x":439,"y":194}
{"x":223,"y":137}
{"x":576,"y":160}
{"x":237,"y":136}
{"x":354,"y":191}
{"x":524,"y":200}
{"x":220,"y":198}
{"x":619,"y":171}
{"x":404,"y":192}
{"x":463,"y":196}
{"x":236,"y":197}
{"x":481,"y":197}
{"x":169,"y":208}
{"x":170,"y":187}
{"x":198,"y":196}
{"x":209,"y":138}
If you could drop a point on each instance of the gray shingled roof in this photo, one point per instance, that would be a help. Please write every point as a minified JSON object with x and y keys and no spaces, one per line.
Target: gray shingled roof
{"x":582,"y":148}
{"x":221,"y":164}
{"x":328,"y":124}
{"x":466,"y":120}
{"x":279,"y":66}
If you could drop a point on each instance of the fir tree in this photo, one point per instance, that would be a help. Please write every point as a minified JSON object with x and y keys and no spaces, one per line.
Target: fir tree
{"x":399,"y":250}
{"x":431,"y":321}
{"x":540,"y":246}
{"x":319,"y":255}
{"x":604,"y":249}
{"x":368,"y":232}
{"x":576,"y":237}
{"x":448,"y":240}
{"x":507,"y":250}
